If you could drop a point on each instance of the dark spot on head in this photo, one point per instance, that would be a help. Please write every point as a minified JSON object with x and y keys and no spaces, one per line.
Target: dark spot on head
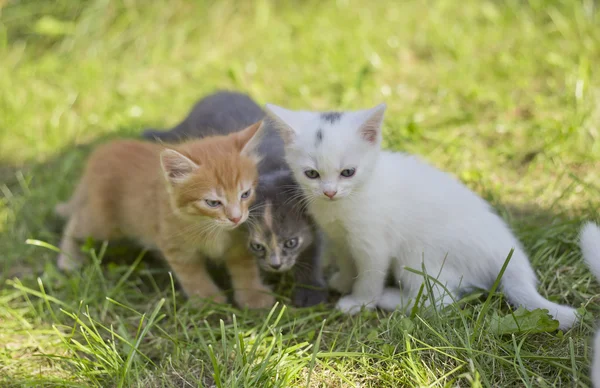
{"x":319,"y":136}
{"x":331,"y":117}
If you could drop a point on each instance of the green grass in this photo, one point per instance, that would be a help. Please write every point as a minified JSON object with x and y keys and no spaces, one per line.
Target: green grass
{"x":505,"y":95}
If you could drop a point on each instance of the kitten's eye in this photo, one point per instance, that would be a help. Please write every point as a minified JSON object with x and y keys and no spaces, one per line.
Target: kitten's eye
{"x":246,"y":194}
{"x":212,"y":203}
{"x":348,"y":172}
{"x":256,"y":247}
{"x":291,"y":243}
{"x":311,"y":174}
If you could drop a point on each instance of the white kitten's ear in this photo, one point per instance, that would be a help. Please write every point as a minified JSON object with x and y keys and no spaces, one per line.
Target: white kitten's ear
{"x":176,"y":167}
{"x":282,"y":121}
{"x":370,"y":129}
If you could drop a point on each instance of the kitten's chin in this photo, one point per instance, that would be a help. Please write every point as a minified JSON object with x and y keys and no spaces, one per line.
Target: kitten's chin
{"x":228,"y":225}
{"x":268,"y":268}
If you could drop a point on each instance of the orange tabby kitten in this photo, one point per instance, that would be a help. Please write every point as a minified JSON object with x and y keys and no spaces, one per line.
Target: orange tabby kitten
{"x":185,"y":200}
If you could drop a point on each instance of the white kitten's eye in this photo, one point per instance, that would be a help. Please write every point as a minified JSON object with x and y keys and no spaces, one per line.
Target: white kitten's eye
{"x":246,"y":194}
{"x":212,"y":203}
{"x":348,"y":172}
{"x":311,"y":174}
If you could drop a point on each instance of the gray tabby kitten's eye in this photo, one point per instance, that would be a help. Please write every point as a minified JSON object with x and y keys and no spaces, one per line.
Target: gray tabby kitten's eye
{"x":212,"y":203}
{"x":311,"y":174}
{"x":246,"y":194}
{"x":256,"y":247}
{"x":348,"y":172}
{"x":291,"y":243}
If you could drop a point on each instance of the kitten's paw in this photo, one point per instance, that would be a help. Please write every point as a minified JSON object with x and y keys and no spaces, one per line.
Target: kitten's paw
{"x":219,"y":298}
{"x":341,"y":284}
{"x":255,"y":299}
{"x":306,"y":297}
{"x":199,"y":300}
{"x":391,"y":299}
{"x":351,"y":305}
{"x":69,"y":263}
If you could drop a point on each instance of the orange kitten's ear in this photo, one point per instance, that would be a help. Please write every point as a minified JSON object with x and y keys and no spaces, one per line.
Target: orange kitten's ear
{"x":249,"y":139}
{"x":177,"y":167}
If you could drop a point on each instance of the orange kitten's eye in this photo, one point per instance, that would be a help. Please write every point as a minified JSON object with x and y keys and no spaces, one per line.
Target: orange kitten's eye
{"x":212,"y":203}
{"x":246,"y":194}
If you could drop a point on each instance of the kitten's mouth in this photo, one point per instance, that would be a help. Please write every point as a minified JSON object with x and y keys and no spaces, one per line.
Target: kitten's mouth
{"x":228,"y":225}
{"x":330,"y":199}
{"x":268,"y":268}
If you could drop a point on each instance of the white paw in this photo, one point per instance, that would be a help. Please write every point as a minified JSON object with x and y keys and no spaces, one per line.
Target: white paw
{"x":340,"y":284}
{"x":391,"y":299}
{"x":350,"y":305}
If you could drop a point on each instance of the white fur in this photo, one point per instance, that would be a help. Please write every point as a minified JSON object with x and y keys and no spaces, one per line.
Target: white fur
{"x":398,"y":212}
{"x":590,"y":247}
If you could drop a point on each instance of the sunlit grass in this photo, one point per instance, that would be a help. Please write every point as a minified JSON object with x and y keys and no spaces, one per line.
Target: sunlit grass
{"x":505,"y":95}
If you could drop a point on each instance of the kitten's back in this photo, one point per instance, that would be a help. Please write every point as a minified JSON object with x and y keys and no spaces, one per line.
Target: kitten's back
{"x":221,"y":113}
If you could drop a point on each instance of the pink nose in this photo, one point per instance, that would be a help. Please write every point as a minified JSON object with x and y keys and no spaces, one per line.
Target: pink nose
{"x":235,"y":220}
{"x":330,"y":194}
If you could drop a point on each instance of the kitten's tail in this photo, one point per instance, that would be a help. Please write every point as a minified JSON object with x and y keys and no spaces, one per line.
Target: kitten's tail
{"x":520,"y":292}
{"x":66,"y":209}
{"x":590,"y":246}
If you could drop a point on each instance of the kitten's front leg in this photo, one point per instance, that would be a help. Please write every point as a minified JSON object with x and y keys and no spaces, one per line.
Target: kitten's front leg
{"x":248,"y":287}
{"x":190,"y":270}
{"x":342,"y":280}
{"x":309,"y":288}
{"x":372,"y":267}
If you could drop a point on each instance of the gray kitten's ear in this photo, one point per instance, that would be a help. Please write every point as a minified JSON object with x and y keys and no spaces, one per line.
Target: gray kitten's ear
{"x":370,"y":129}
{"x":176,"y":167}
{"x":282,"y":120}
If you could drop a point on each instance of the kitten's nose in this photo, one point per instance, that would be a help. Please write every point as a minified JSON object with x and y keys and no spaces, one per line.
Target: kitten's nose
{"x":275,"y":265}
{"x":330,"y":193}
{"x":235,"y":220}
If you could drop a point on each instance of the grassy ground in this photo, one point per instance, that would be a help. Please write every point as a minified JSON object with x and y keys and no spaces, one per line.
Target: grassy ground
{"x":506,"y":95}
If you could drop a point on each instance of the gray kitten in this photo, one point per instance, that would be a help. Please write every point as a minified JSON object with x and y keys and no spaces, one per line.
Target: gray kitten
{"x":282,"y":235}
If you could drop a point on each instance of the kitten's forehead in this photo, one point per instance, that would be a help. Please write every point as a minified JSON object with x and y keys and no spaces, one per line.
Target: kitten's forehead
{"x":267,"y":216}
{"x":330,"y":142}
{"x":278,"y":219}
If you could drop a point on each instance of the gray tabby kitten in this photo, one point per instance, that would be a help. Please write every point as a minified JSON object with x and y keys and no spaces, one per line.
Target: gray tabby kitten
{"x":281,"y":233}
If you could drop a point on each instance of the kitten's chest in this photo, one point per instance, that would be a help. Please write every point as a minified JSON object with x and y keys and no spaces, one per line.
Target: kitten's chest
{"x":216,"y":247}
{"x":203,"y":239}
{"x":332,"y":221}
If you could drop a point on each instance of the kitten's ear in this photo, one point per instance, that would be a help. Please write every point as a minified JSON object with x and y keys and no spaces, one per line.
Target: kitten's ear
{"x":282,"y":120}
{"x":249,"y":139}
{"x":176,"y":167}
{"x":370,"y":129}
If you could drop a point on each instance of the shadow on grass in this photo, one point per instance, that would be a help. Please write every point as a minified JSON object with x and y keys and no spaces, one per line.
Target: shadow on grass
{"x":31,"y":194}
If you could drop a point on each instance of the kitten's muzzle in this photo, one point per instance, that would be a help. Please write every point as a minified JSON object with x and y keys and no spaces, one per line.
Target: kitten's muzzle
{"x":330,"y":193}
{"x":235,"y":220}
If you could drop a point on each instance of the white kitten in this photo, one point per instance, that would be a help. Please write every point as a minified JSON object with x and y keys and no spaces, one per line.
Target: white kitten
{"x":385,"y":210}
{"x":590,"y":246}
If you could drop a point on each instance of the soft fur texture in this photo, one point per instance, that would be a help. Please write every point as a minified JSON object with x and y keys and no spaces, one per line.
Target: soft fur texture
{"x":385,"y":210}
{"x":185,"y":200}
{"x":590,"y":247}
{"x":282,"y":234}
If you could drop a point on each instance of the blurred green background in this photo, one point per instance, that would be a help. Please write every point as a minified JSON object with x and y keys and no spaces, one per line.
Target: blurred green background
{"x":505,"y":95}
